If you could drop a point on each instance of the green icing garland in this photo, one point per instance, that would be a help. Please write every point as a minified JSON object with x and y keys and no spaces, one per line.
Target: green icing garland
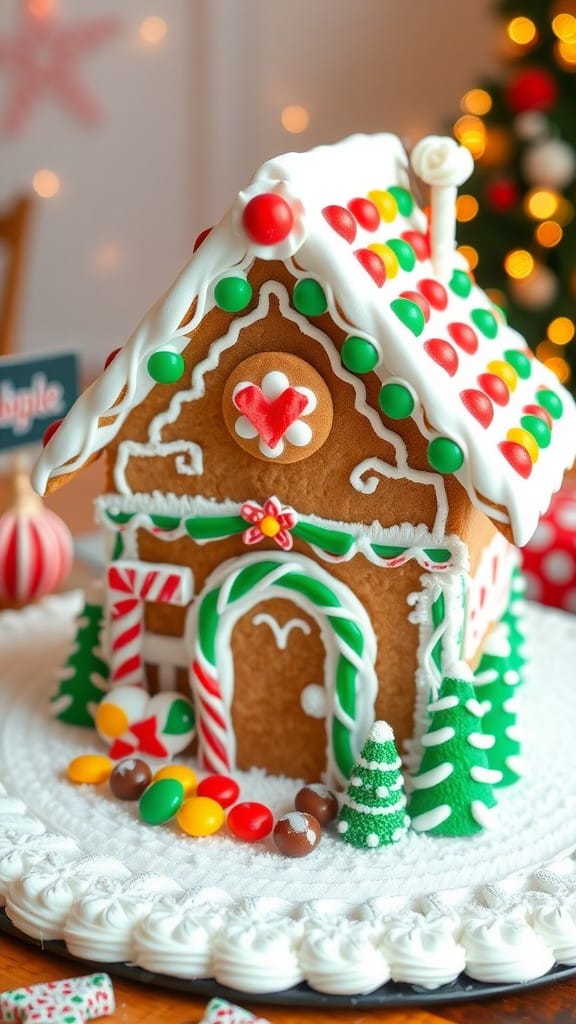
{"x":333,"y":542}
{"x":213,"y":605}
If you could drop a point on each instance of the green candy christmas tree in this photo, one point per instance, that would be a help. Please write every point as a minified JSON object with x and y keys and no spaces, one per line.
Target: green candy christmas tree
{"x":516,"y":212}
{"x":374,"y":806}
{"x":452,"y":789}
{"x":83,"y":681}
{"x":496,"y":679}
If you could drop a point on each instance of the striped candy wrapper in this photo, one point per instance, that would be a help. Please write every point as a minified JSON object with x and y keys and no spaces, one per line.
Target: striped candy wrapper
{"x":219,"y":1011}
{"x":59,"y":1002}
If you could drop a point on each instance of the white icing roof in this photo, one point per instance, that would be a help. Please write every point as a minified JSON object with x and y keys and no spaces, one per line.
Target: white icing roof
{"x":363,"y":167}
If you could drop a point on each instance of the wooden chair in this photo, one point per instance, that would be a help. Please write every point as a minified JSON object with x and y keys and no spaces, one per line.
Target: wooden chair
{"x":14,"y":230}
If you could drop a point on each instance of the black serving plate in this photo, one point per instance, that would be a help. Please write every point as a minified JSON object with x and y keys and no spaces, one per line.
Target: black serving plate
{"x":394,"y":994}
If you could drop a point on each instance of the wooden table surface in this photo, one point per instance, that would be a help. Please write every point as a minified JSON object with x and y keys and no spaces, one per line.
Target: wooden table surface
{"x":22,"y":964}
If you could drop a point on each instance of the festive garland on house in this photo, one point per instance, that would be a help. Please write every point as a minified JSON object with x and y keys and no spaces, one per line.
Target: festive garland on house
{"x":327,"y":540}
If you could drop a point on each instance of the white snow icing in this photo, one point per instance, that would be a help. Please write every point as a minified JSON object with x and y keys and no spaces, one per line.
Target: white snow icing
{"x":501,"y":906}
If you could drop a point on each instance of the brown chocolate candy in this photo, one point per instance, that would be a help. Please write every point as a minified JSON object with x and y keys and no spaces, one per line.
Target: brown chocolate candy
{"x":317,"y":800}
{"x":129,"y":778}
{"x":296,"y":834}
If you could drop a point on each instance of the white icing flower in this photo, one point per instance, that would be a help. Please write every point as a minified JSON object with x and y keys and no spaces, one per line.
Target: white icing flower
{"x":441,"y":161}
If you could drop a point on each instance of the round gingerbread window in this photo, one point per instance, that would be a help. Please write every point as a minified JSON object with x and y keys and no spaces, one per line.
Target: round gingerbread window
{"x":276,"y":406}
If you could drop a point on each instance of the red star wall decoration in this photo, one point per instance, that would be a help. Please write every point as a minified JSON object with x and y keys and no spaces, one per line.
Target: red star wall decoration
{"x":40,"y":61}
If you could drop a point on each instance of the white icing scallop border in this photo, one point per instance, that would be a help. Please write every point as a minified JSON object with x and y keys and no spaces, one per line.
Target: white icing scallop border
{"x":507,"y":931}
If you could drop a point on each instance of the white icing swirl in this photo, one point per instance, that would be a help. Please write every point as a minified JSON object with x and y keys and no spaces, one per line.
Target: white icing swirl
{"x":439,"y":160}
{"x":258,"y":951}
{"x":342,"y":958}
{"x":422,"y":950}
{"x":177,"y":935}
{"x":100,"y":925}
{"x":503,"y":947}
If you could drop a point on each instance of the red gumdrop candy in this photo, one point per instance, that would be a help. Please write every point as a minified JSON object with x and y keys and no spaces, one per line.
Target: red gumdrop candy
{"x":494,"y":387}
{"x":366,"y":213}
{"x":372,"y":264}
{"x":250,"y":821}
{"x":443,"y":353}
{"x":517,"y":456}
{"x":268,"y":218}
{"x":464,"y":337}
{"x":435,"y":293}
{"x":221,"y":788}
{"x":478,"y":405}
{"x":341,"y":221}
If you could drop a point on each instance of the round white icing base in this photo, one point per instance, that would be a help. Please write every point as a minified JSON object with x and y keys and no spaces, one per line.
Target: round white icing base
{"x":78,"y":865}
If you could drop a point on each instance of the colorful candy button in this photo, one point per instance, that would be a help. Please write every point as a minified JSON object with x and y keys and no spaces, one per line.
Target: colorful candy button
{"x":341,"y":221}
{"x":359,"y":355}
{"x":161,"y":801}
{"x":233,"y":294}
{"x":200,"y":816}
{"x":388,"y":257}
{"x":309,"y":297}
{"x":165,"y":367}
{"x":517,"y":456}
{"x":224,"y":790}
{"x":444,"y":455}
{"x":385,"y":204}
{"x":464,"y":337}
{"x":494,"y":387}
{"x":520,"y":361}
{"x":404,"y":200}
{"x":91,"y":769}
{"x":182,"y":773}
{"x":538,"y":428}
{"x":443,"y":353}
{"x":372,"y":264}
{"x":526,"y":439}
{"x":485,"y":321}
{"x":420,"y":300}
{"x":365,"y":212}
{"x":250,"y":821}
{"x":396,"y":401}
{"x":479,"y":406}
{"x":404,"y":252}
{"x":550,"y":401}
{"x":461,"y":284}
{"x":505,"y":371}
{"x":268,"y":219}
{"x":419,"y":243}
{"x":434,"y":292}
{"x":410,"y":314}
{"x":537,"y":410}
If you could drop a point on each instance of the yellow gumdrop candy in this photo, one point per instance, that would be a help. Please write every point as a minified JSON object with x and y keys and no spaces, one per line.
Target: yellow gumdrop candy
{"x":385,"y":204}
{"x":200,"y":816}
{"x":526,"y":439}
{"x":388,"y":257}
{"x":180,"y":772}
{"x":89,"y":768}
{"x":506,"y":372}
{"x":111,"y":721}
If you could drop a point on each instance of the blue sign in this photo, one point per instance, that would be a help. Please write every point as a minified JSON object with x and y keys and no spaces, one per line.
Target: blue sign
{"x":35,"y":390}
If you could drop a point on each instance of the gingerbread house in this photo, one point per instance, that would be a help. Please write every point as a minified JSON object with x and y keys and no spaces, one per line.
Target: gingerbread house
{"x":322,"y":446}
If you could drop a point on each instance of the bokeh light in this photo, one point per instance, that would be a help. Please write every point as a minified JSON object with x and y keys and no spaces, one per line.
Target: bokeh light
{"x":46,"y":183}
{"x":295,"y":119}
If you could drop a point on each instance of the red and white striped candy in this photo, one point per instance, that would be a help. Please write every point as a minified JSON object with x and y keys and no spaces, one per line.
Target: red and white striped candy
{"x":76,"y":999}
{"x":130,"y":584}
{"x":35,"y":551}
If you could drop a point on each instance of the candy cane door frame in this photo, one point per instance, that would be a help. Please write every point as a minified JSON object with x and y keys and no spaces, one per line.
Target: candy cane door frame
{"x":349,"y":673}
{"x":131,"y":584}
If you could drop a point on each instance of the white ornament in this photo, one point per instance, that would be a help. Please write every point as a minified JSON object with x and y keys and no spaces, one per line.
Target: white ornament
{"x":551,"y":163}
{"x":442,"y":164}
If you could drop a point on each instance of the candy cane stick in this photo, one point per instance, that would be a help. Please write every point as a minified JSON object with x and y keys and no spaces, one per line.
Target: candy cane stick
{"x":130,"y":585}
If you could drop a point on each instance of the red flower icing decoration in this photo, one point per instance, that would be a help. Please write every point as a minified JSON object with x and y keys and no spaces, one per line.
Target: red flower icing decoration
{"x":269,"y":520}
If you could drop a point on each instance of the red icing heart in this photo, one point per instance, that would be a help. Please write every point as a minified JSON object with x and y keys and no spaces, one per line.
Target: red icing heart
{"x":271,"y":417}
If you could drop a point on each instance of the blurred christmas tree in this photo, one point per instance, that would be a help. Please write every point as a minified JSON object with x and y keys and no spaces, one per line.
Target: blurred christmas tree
{"x":517,"y":226}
